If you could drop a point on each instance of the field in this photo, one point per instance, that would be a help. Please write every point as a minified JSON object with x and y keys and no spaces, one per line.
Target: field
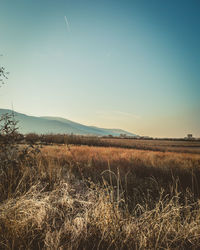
{"x":163,"y":145}
{"x":101,"y":197}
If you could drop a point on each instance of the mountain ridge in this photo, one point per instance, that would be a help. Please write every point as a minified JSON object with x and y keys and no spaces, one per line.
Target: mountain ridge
{"x":56,"y":125}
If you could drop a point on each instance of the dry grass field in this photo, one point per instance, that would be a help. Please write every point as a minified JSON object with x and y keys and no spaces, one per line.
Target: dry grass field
{"x":162,"y":145}
{"x":86,"y":197}
{"x":179,"y":146}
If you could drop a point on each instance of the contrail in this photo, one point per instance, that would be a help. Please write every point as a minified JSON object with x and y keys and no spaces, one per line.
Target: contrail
{"x":67,"y":23}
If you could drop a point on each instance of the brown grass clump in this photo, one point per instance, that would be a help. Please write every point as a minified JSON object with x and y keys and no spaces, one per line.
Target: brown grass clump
{"x":101,"y":198}
{"x":73,"y":216}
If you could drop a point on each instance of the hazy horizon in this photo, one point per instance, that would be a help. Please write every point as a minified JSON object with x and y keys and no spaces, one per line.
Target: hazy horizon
{"x":132,"y":65}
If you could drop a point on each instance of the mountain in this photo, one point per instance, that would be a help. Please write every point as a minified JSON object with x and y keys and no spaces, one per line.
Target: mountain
{"x":47,"y":124}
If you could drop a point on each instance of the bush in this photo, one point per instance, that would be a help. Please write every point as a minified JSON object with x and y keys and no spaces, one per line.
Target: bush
{"x":18,"y":167}
{"x":32,"y":138}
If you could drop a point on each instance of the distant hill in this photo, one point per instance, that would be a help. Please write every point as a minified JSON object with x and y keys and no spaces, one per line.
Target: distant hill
{"x":45,"y":125}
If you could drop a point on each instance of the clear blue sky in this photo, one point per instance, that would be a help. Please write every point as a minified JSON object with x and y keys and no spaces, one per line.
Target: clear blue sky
{"x":118,"y":64}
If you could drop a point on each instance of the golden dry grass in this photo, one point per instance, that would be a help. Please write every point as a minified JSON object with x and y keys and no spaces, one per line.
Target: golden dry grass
{"x":82,"y":197}
{"x":162,"y":145}
{"x":133,"y":166}
{"x":179,"y":146}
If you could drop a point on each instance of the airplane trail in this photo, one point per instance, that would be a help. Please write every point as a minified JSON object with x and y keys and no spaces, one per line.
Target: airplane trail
{"x":67,"y":24}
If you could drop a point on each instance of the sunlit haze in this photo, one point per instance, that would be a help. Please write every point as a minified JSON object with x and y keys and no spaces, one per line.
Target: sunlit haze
{"x":123,"y":64}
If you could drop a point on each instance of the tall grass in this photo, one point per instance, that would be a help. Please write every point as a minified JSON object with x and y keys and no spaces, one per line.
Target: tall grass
{"x":84,"y":197}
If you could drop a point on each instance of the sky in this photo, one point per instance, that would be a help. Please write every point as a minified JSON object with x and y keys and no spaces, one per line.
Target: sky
{"x":123,"y":64}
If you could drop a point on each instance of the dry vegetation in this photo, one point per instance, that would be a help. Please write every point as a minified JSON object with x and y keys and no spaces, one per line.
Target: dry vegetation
{"x":85,"y":197}
{"x":162,"y":145}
